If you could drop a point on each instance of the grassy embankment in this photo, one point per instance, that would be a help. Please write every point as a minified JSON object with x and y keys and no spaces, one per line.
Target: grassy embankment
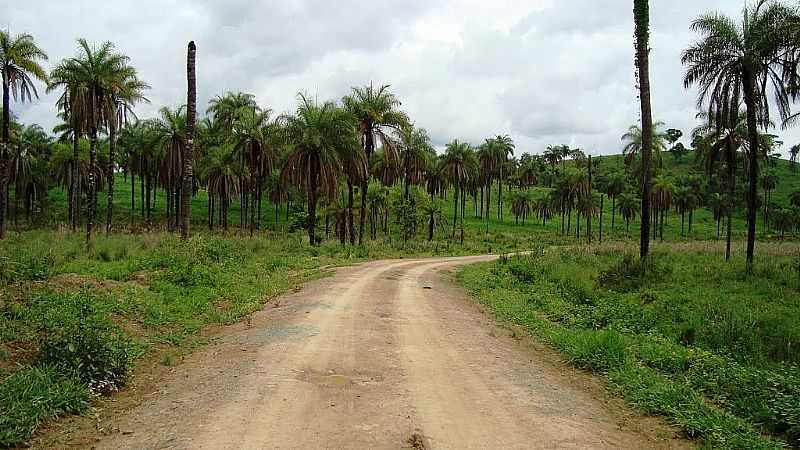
{"x":690,"y":337}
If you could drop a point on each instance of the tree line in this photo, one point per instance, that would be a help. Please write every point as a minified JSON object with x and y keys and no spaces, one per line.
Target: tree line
{"x":337,"y":157}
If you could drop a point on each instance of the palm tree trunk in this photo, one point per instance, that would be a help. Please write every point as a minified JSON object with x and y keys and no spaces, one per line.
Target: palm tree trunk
{"x":350,"y":219}
{"x":92,"y":170}
{"x":4,"y":155}
{"x":112,"y":146}
{"x":312,"y":200}
{"x":75,"y":180}
{"x":601,"y":218}
{"x":455,"y":210}
{"x":641,"y":10}
{"x":751,"y":103}
{"x":613,"y":212}
{"x":188,"y":151}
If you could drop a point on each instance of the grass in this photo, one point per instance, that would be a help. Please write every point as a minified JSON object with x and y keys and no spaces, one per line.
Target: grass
{"x":689,"y":336}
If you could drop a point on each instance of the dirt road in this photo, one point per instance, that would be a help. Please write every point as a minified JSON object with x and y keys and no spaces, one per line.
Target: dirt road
{"x":382,"y":355}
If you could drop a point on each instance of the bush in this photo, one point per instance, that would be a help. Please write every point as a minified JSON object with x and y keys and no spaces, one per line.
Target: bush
{"x":630,"y":273}
{"x":34,"y":395}
{"x":75,"y":339}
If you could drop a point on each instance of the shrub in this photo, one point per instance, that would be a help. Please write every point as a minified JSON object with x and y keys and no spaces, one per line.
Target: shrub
{"x":631,"y":274}
{"x":75,"y":339}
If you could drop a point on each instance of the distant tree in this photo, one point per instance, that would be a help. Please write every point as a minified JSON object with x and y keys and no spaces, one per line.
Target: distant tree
{"x":377,"y":115}
{"x":457,"y":164}
{"x":628,"y":208}
{"x":520,"y":206}
{"x":769,"y":181}
{"x":20,"y":59}
{"x":321,"y":136}
{"x":793,"y":152}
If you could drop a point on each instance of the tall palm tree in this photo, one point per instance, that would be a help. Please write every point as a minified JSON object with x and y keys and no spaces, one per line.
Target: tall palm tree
{"x":254,"y":135}
{"x":628,"y":208}
{"x":720,"y":138}
{"x":521,"y":205}
{"x":500,"y":148}
{"x":188,"y":155}
{"x":321,"y":136}
{"x":641,"y":17}
{"x":663,"y":194}
{"x":377,"y":115}
{"x":128,"y":91}
{"x":416,"y":153}
{"x":457,"y":163}
{"x":20,"y":59}
{"x":171,"y":127}
{"x":741,"y":60}
{"x":614,"y":186}
{"x":769,"y":181}
{"x":89,"y":81}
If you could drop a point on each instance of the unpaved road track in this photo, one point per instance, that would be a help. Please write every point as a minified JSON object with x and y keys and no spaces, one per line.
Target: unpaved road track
{"x":382,"y":355}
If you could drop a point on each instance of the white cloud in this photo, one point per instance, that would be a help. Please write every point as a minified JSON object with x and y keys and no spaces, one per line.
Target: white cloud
{"x":544,"y":71}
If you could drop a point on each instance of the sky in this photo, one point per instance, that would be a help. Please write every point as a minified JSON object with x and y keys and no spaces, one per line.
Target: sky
{"x":545,"y":72}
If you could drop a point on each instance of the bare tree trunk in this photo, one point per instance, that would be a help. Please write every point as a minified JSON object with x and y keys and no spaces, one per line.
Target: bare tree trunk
{"x":4,"y":155}
{"x":188,"y":152}
{"x":641,"y":9}
{"x":112,"y":146}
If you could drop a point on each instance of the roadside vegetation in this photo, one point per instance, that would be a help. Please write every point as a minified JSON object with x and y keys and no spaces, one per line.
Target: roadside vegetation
{"x":686,"y":336}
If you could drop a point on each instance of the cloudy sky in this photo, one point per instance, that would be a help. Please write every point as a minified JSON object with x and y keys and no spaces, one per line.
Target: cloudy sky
{"x":544,"y":71}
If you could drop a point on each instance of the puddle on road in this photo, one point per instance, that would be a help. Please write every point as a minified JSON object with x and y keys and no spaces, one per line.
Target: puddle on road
{"x":289,"y":332}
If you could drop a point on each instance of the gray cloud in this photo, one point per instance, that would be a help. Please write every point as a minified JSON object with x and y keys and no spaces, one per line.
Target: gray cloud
{"x":544,"y":71}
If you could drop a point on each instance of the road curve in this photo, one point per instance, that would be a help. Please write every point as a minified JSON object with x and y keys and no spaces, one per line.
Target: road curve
{"x":386,"y":354}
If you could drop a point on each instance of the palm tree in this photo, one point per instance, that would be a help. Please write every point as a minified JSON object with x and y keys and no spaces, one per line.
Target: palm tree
{"x":521,"y":206}
{"x":225,"y":108}
{"x":321,"y":137}
{"x":793,"y":153}
{"x":783,"y":220}
{"x":188,"y":155}
{"x":255,"y":137}
{"x":415,"y":157}
{"x":432,"y":210}
{"x":90,"y":81}
{"x":794,"y":199}
{"x":641,"y":17}
{"x":377,"y":115}
{"x":500,"y":148}
{"x":19,"y":61}
{"x":128,"y":91}
{"x":732,"y":61}
{"x":457,"y":163}
{"x":614,"y":186}
{"x":633,"y":144}
{"x":628,"y":208}
{"x":769,"y":181}
{"x":544,"y":207}
{"x":219,"y":170}
{"x":171,"y":128}
{"x":720,"y":138}
{"x":663,"y":196}
{"x":719,"y":208}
